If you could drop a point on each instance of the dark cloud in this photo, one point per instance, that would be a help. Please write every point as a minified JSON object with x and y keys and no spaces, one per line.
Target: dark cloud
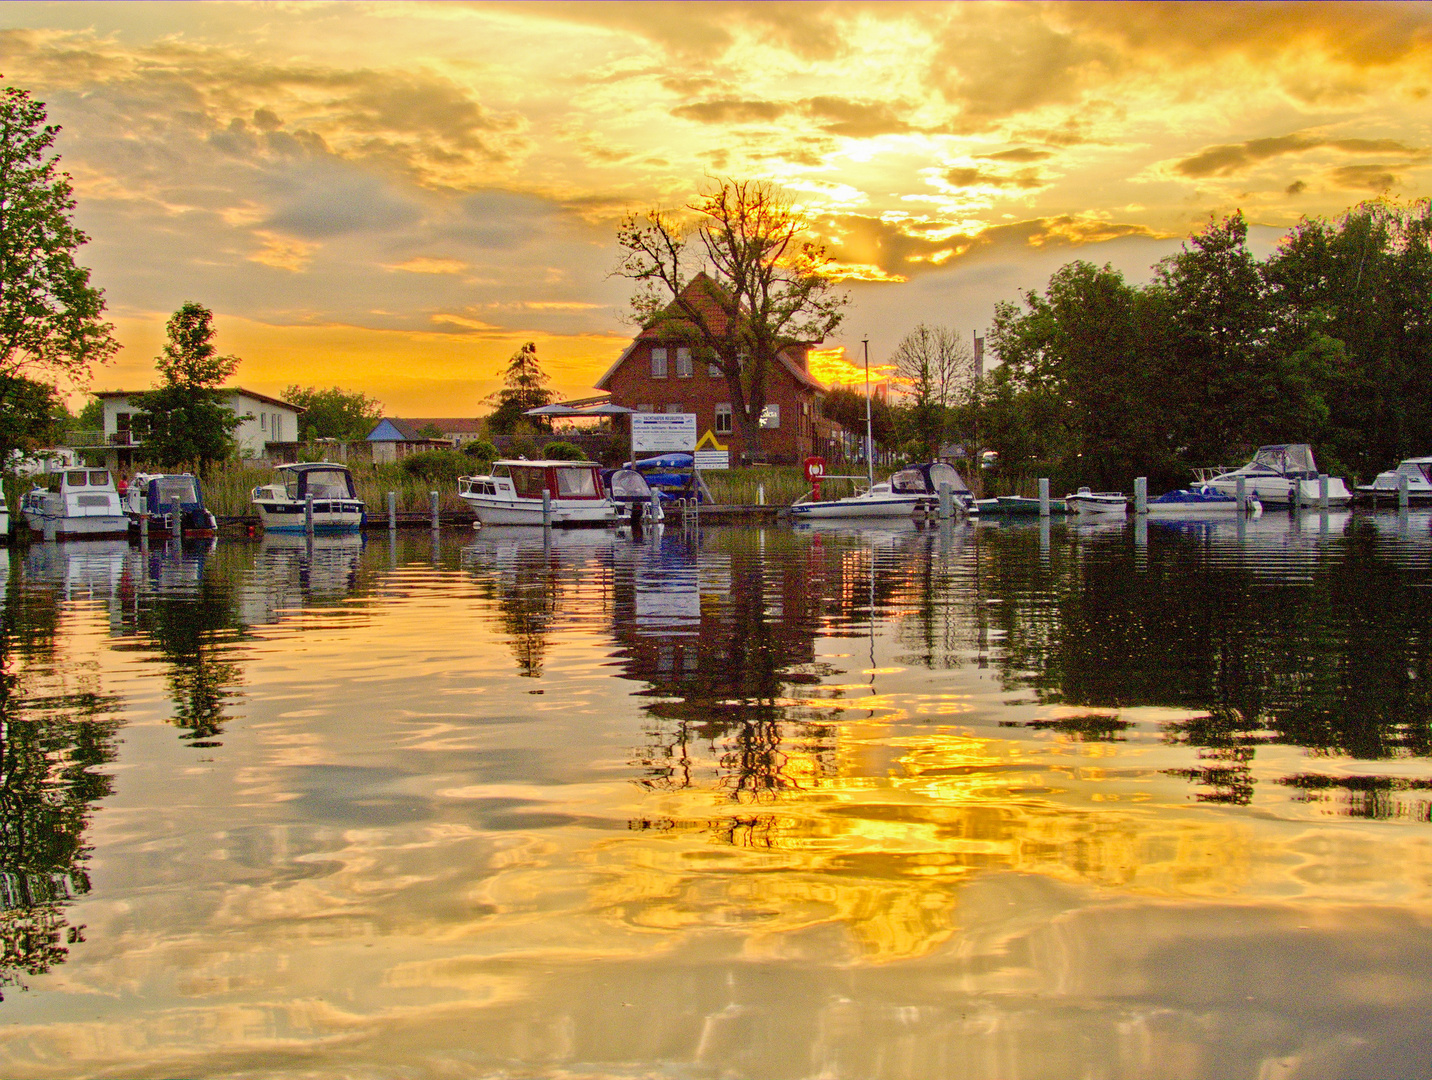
{"x":1375,"y":178}
{"x":330,"y":201}
{"x":854,"y":119}
{"x":1297,"y":187}
{"x":1230,"y":158}
{"x":1024,"y":179}
{"x":731,"y":111}
{"x":1018,"y":155}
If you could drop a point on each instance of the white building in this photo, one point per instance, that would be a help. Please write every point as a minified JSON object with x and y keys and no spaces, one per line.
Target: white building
{"x":269,"y":428}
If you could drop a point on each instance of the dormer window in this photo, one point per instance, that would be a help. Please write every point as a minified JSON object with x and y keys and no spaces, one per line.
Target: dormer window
{"x":658,"y":363}
{"x":683,"y":363}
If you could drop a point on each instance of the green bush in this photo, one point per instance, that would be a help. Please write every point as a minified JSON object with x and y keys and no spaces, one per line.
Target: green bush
{"x":436,"y":465}
{"x":563,"y":451}
{"x":482,"y":450}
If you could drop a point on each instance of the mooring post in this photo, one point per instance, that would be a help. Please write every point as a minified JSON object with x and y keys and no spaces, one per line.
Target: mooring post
{"x":1402,"y":493}
{"x":392,"y":510}
{"x":144,"y":528}
{"x":546,"y":509}
{"x":1241,"y":487}
{"x":308,"y":513}
{"x":1141,"y":495}
{"x":1043,"y":496}
{"x":1323,"y":491}
{"x":178,"y":519}
{"x":433,"y":503}
{"x":760,"y":494}
{"x":947,"y":502}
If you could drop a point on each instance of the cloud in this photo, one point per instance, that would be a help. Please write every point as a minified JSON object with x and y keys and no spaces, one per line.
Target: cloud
{"x":731,"y":111}
{"x":971,"y":177}
{"x":429,"y":264}
{"x":1231,"y":158}
{"x":854,"y":119}
{"x":1018,"y":155}
{"x":1374,"y":178}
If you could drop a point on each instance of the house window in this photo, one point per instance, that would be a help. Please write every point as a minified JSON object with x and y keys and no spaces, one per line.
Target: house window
{"x":276,"y":428}
{"x":263,"y":421}
{"x":676,"y":408}
{"x":771,"y":417}
{"x":683,"y":363}
{"x":723,"y":419}
{"x":658,"y":363}
{"x":646,"y":407}
{"x":713,"y":371}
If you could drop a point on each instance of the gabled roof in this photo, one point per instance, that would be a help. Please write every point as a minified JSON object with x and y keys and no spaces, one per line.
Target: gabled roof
{"x":698,"y":294}
{"x":222,"y":389}
{"x":407,"y":428}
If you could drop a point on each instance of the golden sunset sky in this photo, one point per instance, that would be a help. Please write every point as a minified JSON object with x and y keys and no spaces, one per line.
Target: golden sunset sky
{"x":393,"y":197}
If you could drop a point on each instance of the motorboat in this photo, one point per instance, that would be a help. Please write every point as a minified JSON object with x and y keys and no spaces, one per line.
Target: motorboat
{"x":673,"y":477}
{"x":152,"y":497}
{"x":1085,"y":501}
{"x":4,"y":518}
{"x":72,"y":503}
{"x":512,"y":494}
{"x":874,"y":501}
{"x":1278,"y":475}
{"x":926,"y":480}
{"x":283,"y":505}
{"x":1017,"y":505}
{"x":1200,"y":501}
{"x":632,"y":494}
{"x":1418,"y":474}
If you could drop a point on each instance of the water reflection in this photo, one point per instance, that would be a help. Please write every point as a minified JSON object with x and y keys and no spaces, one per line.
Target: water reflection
{"x":1035,"y":800}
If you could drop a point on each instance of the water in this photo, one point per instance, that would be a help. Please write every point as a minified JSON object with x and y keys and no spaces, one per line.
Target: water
{"x":1020,"y":801}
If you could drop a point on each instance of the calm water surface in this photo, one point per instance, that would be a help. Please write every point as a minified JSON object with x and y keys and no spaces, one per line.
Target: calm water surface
{"x":1098,"y":801}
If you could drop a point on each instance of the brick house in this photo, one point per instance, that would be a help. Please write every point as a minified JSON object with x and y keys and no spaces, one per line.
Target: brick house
{"x":658,"y":373}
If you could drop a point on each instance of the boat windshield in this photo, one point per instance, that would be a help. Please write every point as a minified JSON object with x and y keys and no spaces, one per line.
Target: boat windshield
{"x":629,"y":484}
{"x":168,"y":488}
{"x":76,"y":478}
{"x":577,"y":483}
{"x":1292,"y":460}
{"x":528,"y":481}
{"x":329,"y":484}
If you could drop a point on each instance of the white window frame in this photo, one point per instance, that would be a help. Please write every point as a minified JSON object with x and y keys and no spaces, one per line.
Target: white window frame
{"x":683,"y":362}
{"x":675,"y":407}
{"x":713,"y":371}
{"x":658,"y":362}
{"x":723,"y":410}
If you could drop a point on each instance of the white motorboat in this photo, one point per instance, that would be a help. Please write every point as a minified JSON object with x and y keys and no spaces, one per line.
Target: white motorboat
{"x":1085,"y":501}
{"x":4,"y":518}
{"x":76,"y":503}
{"x":876,"y":501}
{"x":283,"y":504}
{"x":152,"y":497}
{"x":1278,"y":475}
{"x":1418,"y":473}
{"x":511,"y":494}
{"x":927,"y":479}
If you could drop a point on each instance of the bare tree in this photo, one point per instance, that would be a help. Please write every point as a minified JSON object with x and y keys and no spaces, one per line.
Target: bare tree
{"x":937,"y":372}
{"x":736,"y":281}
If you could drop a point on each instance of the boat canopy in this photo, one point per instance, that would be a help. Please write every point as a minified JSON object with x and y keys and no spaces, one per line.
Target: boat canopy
{"x":321,"y":479}
{"x":163,"y":490}
{"x":1293,"y":460}
{"x":628,"y":485}
{"x":927,"y":478}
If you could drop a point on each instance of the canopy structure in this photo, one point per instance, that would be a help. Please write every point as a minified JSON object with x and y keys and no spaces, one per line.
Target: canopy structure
{"x":604,"y":409}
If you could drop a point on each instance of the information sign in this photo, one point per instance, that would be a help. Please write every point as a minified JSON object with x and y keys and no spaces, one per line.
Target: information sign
{"x":713,"y":459}
{"x":661,"y":433}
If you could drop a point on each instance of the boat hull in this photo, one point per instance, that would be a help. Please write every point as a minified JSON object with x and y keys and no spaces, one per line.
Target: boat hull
{"x":1097,"y":503}
{"x":857,"y":507}
{"x":96,"y":527}
{"x":589,"y":513}
{"x":1281,"y":491}
{"x":328,"y":517}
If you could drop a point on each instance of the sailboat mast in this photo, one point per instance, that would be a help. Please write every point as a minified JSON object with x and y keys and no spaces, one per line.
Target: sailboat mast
{"x":869,"y":440}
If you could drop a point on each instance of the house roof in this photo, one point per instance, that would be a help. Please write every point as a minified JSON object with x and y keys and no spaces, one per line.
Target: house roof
{"x":408,"y":427}
{"x":102,"y":394}
{"x":699,"y":294}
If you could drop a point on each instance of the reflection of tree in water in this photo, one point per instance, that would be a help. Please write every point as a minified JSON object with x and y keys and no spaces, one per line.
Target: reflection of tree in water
{"x":190,"y":616}
{"x":1334,"y":655}
{"x":52,"y":738}
{"x":724,"y":682}
{"x":527,"y":596}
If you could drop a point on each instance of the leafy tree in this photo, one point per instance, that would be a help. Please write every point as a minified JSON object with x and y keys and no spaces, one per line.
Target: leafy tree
{"x":27,"y":415}
{"x":937,"y":370}
{"x":437,"y":465}
{"x":563,"y":451}
{"x":524,"y":387}
{"x":847,"y":408}
{"x":481,"y":449}
{"x":430,"y":431}
{"x":185,"y":419}
{"x":91,"y":417}
{"x":737,"y":285}
{"x":49,"y":313}
{"x":345,"y":415}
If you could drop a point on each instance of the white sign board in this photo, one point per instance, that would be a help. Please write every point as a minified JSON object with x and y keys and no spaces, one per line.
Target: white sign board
{"x":660,"y":433}
{"x":713,"y":459}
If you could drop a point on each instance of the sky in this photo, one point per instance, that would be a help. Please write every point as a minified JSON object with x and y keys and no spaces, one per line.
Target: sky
{"x":393,"y":198}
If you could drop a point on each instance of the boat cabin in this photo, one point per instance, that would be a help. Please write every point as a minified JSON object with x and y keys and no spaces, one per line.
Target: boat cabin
{"x":528,"y":479}
{"x":321,"y":479}
{"x":155,"y":495}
